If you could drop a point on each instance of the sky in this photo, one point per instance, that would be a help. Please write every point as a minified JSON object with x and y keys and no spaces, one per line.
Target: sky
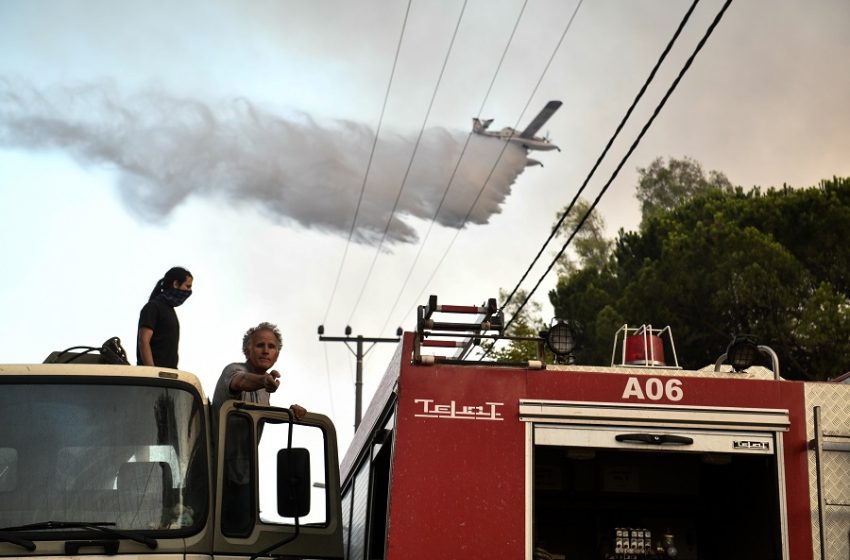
{"x":239,"y":139}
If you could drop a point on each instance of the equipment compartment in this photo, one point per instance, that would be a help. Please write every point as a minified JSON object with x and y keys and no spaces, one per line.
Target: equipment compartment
{"x":601,"y":503}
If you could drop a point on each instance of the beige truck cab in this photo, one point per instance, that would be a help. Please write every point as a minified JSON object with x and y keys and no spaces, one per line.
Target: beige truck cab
{"x":119,"y":460}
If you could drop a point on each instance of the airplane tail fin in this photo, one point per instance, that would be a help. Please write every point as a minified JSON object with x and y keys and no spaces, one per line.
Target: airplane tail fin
{"x":479,"y":125}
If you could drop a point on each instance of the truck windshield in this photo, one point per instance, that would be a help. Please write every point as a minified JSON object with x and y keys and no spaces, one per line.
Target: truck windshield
{"x":78,"y":452}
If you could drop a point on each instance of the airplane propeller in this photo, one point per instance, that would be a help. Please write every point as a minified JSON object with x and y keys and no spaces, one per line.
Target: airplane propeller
{"x":546,"y":139}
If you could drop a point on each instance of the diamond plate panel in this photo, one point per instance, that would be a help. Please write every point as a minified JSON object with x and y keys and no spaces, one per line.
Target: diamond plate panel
{"x":834,"y":400}
{"x":836,"y":472}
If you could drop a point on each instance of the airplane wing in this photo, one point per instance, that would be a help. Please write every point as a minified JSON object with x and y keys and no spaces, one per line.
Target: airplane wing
{"x":540,"y":119}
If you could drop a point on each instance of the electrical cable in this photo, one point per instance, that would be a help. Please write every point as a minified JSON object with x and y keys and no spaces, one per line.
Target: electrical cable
{"x":502,"y":151}
{"x":454,"y":171}
{"x":369,"y":164}
{"x":110,"y":352}
{"x":409,"y":164}
{"x":602,"y":155}
{"x":634,"y":145}
{"x":85,"y":350}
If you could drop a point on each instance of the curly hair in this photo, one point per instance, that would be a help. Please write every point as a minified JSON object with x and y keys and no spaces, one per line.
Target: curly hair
{"x":264,"y":326}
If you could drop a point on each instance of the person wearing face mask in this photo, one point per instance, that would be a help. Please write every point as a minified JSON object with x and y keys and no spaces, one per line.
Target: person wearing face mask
{"x":159,"y":329}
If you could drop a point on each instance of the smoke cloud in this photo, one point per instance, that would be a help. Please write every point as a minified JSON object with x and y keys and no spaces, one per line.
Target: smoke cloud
{"x":166,"y":149}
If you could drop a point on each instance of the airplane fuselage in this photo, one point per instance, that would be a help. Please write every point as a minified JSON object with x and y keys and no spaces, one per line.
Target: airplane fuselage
{"x":536,"y":144}
{"x":510,"y":135}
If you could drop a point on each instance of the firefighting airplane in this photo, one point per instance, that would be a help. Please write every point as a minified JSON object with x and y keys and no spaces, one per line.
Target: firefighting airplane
{"x":526,"y":138}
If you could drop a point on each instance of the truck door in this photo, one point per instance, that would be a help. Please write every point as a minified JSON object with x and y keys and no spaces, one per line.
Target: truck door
{"x":636,"y":481}
{"x":277,"y":484}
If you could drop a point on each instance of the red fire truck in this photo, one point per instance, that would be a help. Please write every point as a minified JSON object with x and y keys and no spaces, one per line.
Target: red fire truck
{"x":467,"y":459}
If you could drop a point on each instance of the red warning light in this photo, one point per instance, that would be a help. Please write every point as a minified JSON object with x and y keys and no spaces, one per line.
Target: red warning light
{"x":644,"y":350}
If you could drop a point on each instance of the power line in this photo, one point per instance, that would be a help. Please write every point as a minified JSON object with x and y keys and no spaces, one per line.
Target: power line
{"x":602,"y":155}
{"x":501,"y":152}
{"x":454,"y":171}
{"x":634,"y":145}
{"x":410,"y":163}
{"x":369,"y":164}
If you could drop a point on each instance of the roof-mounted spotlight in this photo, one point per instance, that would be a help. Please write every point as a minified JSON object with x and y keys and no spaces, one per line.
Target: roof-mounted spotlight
{"x":561,"y":340}
{"x":742,"y":352}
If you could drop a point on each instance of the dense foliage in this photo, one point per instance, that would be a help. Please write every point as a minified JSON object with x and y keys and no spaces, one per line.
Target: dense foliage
{"x":711,"y":261}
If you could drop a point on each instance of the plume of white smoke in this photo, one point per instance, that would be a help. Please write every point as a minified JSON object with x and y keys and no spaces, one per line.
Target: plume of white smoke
{"x":166,"y":149}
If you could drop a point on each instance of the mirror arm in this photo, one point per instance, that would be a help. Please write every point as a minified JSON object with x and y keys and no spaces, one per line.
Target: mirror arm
{"x":287,"y":540}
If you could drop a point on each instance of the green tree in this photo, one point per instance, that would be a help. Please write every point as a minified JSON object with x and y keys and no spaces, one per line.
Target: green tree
{"x":589,"y":244}
{"x":591,"y":250}
{"x":824,"y":319}
{"x":715,"y":280}
{"x":722,"y":261}
{"x":662,"y":187}
{"x":587,"y":298}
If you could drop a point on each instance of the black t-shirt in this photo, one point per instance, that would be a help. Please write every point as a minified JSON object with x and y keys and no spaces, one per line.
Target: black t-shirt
{"x":159,"y":316}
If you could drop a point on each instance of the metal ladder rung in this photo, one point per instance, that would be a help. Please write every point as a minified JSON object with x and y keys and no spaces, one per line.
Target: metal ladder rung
{"x":837,"y":446}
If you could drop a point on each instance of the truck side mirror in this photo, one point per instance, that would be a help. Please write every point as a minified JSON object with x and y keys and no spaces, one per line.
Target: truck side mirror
{"x":293,"y":482}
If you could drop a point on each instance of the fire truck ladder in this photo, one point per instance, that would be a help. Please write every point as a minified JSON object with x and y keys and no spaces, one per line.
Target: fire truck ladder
{"x":488,"y":324}
{"x":823,"y":443}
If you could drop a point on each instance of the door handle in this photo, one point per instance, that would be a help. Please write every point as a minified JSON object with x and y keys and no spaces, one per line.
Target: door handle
{"x":654,"y":439}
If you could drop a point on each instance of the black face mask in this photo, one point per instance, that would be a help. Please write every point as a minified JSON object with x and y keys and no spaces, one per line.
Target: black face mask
{"x":175,"y":296}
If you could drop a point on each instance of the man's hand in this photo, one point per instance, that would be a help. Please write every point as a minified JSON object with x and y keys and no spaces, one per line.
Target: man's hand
{"x":271,"y":381}
{"x":298,"y":410}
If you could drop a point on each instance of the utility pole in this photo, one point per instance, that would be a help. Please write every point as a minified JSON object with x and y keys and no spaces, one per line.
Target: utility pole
{"x":358,"y":354}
